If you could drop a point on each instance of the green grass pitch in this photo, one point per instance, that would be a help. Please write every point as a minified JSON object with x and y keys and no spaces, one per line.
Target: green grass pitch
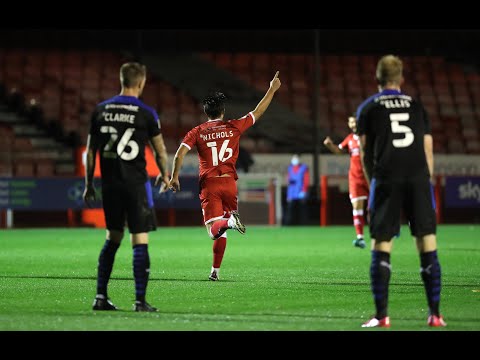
{"x":272,"y":279}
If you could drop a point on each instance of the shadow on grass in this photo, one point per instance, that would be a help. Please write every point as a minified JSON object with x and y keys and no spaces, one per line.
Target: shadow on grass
{"x":460,"y":249}
{"x":56,"y":277}
{"x":281,"y":317}
{"x":320,"y":283}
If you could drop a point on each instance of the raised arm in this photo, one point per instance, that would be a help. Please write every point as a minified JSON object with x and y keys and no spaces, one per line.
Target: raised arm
{"x":174,"y":183}
{"x":331,"y":146}
{"x":428,"y":147}
{"x":91,"y":153}
{"x":267,"y":98}
{"x":161,"y":159}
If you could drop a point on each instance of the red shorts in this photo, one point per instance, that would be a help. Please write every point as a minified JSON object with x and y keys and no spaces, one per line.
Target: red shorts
{"x":218,"y":197}
{"x":358,"y":189}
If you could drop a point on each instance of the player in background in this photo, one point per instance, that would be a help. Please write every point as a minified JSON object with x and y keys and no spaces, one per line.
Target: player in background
{"x":298,"y":181}
{"x":396,"y":149}
{"x":120,"y":129}
{"x":357,"y":185}
{"x":217,"y":141}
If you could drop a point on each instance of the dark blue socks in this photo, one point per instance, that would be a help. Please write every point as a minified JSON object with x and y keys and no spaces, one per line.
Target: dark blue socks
{"x":105,"y":265}
{"x":431,"y":275}
{"x":380,"y":279}
{"x":141,"y":270}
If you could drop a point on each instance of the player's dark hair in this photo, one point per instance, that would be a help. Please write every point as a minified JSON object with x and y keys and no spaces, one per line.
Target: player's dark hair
{"x":214,"y":105}
{"x":132,"y":73}
{"x":389,"y":70}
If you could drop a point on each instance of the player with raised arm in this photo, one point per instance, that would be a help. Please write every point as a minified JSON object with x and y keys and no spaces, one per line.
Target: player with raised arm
{"x":357,"y":185}
{"x":397,"y":156}
{"x":120,"y":129}
{"x":217,"y":141}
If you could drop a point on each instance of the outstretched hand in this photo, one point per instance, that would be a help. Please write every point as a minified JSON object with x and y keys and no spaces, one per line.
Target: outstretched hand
{"x":275,"y":83}
{"x":327,"y":141}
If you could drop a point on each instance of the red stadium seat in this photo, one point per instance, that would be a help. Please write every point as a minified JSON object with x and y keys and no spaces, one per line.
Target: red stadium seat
{"x":470,"y":133}
{"x":21,"y":144}
{"x":248,"y":144}
{"x":45,"y":168}
{"x":171,"y":143}
{"x":265,"y":146}
{"x":68,"y":84}
{"x":455,"y":146}
{"x":242,"y":62}
{"x":24,"y":168}
{"x":473,"y":146}
{"x":5,"y":168}
{"x":224,"y":60}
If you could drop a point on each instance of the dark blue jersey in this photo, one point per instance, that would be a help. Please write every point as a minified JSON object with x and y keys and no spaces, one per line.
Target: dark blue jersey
{"x":120,"y":129}
{"x":394,"y":125}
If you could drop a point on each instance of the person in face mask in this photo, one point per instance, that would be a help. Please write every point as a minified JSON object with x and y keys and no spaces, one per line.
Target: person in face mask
{"x":298,"y":180}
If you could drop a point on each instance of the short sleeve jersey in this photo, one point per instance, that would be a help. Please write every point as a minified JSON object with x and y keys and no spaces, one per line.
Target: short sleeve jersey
{"x":351,"y":143}
{"x":394,"y":125}
{"x":217,"y":143}
{"x":121,"y":127}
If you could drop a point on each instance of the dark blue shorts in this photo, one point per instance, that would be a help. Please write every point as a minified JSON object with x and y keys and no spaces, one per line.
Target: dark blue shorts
{"x":388,"y":198}
{"x":131,"y":205}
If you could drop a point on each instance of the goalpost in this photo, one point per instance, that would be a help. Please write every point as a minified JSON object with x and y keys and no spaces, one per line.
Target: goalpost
{"x":259,"y":198}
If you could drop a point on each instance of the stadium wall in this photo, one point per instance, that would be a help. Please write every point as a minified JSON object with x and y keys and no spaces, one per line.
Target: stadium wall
{"x":334,"y":167}
{"x":338,"y":165}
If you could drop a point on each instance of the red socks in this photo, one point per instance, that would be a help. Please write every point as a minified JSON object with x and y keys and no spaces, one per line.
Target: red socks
{"x":358,"y":222}
{"x":219,"y":246}
{"x":218,"y":228}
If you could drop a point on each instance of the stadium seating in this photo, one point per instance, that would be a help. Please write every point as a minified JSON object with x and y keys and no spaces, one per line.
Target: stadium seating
{"x":67,"y":84}
{"x":449,"y":91}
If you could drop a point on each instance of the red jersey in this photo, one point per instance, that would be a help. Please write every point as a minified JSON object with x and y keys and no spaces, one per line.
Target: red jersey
{"x":351,"y":143}
{"x":217,"y":144}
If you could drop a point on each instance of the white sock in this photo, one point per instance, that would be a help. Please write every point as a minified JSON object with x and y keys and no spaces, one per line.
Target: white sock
{"x":217,"y":270}
{"x":359,"y":236}
{"x":231,"y":222}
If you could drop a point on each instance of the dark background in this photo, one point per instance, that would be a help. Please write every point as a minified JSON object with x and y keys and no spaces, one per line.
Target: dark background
{"x":458,"y":43}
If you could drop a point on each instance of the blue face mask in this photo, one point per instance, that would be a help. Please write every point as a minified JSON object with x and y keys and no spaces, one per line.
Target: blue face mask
{"x":295,"y":161}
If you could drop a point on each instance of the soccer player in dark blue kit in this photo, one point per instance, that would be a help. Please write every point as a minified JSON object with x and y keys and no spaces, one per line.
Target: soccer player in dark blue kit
{"x":120,"y":129}
{"x":397,"y":158}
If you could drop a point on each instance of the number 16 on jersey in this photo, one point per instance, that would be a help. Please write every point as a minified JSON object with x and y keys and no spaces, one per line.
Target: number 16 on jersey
{"x":223,"y":155}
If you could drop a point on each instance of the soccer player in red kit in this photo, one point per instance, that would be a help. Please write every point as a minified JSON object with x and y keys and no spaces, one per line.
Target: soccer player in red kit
{"x":357,"y":185}
{"x":217,"y":141}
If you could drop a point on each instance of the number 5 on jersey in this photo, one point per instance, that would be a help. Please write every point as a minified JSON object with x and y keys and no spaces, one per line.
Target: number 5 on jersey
{"x":125,"y":140}
{"x":401,"y":129}
{"x":220,"y":155}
